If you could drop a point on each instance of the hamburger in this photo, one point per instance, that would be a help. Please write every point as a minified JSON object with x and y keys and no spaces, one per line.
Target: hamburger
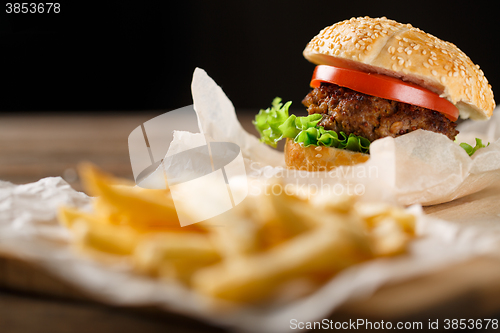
{"x":375,"y":78}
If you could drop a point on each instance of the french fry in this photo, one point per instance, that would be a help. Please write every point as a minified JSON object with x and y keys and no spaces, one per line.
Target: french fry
{"x":289,"y":214}
{"x":174,"y":255}
{"x":388,"y":237}
{"x":261,"y":223}
{"x":120,"y":240}
{"x":237,"y":231}
{"x":236,"y":239}
{"x":68,"y":215}
{"x":140,"y":208}
{"x":106,"y":212}
{"x":406,"y":220}
{"x":180,"y":270}
{"x":374,"y":213}
{"x":322,"y":251}
{"x":252,"y":253}
{"x":390,"y":228}
{"x":342,"y":204}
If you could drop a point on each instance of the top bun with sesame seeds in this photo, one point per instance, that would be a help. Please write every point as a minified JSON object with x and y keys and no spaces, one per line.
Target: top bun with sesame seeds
{"x":383,"y":46}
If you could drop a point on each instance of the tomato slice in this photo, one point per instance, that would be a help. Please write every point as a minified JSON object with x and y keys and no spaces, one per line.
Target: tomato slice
{"x":385,"y":87}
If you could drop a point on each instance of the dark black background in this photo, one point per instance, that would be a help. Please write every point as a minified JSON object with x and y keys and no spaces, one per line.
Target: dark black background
{"x":140,"y":55}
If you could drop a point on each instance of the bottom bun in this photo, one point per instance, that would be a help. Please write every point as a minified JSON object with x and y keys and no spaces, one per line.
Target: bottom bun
{"x":319,"y":158}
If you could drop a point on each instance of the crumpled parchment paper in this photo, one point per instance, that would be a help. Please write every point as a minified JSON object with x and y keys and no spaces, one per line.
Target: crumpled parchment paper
{"x":420,"y":167}
{"x":29,"y":230}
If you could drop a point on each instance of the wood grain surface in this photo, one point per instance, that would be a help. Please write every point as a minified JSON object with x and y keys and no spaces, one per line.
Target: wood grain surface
{"x":36,"y":146}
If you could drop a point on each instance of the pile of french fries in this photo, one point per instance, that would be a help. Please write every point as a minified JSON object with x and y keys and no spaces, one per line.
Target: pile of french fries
{"x":269,"y":247}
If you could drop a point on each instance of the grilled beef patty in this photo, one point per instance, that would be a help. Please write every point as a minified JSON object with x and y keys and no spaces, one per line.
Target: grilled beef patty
{"x":349,"y":111}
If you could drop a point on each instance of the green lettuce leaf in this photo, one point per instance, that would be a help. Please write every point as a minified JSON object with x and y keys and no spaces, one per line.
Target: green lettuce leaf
{"x":471,"y":150}
{"x":268,"y":120}
{"x":274,"y":124}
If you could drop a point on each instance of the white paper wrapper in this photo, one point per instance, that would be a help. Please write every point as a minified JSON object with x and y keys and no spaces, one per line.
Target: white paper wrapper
{"x":29,"y":230}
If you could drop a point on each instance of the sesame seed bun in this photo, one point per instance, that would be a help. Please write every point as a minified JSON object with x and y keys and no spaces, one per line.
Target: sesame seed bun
{"x":318,"y":158}
{"x":380,"y":45}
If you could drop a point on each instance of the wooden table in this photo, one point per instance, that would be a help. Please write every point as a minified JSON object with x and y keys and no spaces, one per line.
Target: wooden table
{"x":36,"y":146}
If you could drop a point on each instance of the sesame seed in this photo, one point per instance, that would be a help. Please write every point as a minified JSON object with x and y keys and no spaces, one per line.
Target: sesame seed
{"x":318,"y":148}
{"x":318,"y":155}
{"x":433,"y":72}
